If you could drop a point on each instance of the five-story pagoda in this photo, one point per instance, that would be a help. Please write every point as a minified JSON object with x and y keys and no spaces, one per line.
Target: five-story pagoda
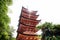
{"x":27,"y":25}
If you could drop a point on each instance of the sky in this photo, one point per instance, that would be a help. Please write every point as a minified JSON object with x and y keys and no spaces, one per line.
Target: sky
{"x":48,"y":11}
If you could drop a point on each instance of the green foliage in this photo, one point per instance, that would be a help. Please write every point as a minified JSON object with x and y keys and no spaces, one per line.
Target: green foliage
{"x":4,"y":20}
{"x":13,"y":38}
{"x":46,"y":24}
{"x":53,"y":28}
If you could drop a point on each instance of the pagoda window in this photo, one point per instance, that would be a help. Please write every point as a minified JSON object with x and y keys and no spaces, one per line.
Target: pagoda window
{"x":31,"y":38}
{"x":27,"y":38}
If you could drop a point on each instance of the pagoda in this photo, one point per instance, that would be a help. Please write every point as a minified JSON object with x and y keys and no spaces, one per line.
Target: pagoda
{"x":27,"y":25}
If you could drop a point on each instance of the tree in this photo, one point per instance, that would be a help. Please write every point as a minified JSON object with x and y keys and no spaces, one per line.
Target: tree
{"x":4,"y":20}
{"x":50,"y":31}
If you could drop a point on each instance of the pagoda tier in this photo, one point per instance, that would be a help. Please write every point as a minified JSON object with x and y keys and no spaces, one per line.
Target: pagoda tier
{"x":29,"y":21}
{"x":27,"y":15}
{"x":25,"y":10}
{"x":27,"y":37}
{"x":23,"y":28}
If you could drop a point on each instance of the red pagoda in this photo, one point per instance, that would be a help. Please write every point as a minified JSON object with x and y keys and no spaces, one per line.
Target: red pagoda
{"x":27,"y":25}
